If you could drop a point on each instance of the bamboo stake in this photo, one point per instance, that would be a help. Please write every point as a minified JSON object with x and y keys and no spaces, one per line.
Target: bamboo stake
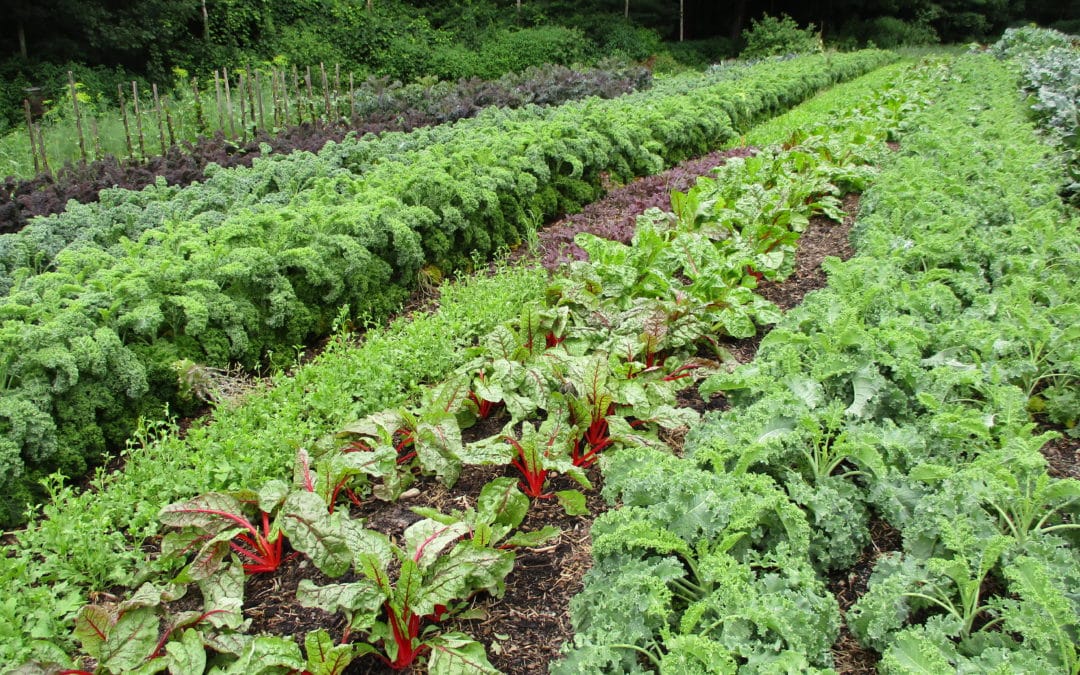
{"x":326,"y":93}
{"x":127,"y":127}
{"x":138,"y":118}
{"x":160,"y":118}
{"x":259,"y":98}
{"x":30,"y":130}
{"x":228,"y":103}
{"x":220,"y":110}
{"x":78,"y":116}
{"x":250,"y":91}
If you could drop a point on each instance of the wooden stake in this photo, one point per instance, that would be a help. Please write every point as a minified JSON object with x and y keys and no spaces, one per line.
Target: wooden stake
{"x":352,"y":101}
{"x":274,"y":99}
{"x":299,"y":98}
{"x":326,"y":93}
{"x":337,"y":88}
{"x":98,"y":154}
{"x":243,"y":110}
{"x":200,"y":114}
{"x":44,"y":155}
{"x":160,"y":118}
{"x":284,"y":100}
{"x":127,"y":128}
{"x":259,"y":97}
{"x":310,"y":96}
{"x":217,"y":96}
{"x":30,"y":130}
{"x":78,"y":116}
{"x":169,"y":125}
{"x":228,"y":103}
{"x":138,"y":118}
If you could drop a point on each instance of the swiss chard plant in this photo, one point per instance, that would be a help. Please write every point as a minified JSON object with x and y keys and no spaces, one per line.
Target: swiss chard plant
{"x":405,"y":592}
{"x":215,"y":524}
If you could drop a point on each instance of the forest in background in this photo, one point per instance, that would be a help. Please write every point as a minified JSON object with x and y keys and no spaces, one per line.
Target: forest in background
{"x":108,"y":41}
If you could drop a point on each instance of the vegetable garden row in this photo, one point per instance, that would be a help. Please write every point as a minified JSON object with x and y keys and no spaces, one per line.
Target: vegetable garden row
{"x":568,"y":387}
{"x":104,"y":299}
{"x":376,"y":106}
{"x":903,"y":393}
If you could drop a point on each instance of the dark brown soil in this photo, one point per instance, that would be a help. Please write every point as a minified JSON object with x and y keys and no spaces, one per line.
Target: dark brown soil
{"x":1063,"y":455}
{"x":615,"y":216}
{"x":849,"y":656}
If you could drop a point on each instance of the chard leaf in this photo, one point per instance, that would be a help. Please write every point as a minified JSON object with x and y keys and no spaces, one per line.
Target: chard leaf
{"x":314,"y":532}
{"x":186,"y":655}
{"x":326,"y":658}
{"x":425,"y":540}
{"x":211,"y":512}
{"x":573,"y":502}
{"x":272,"y":494}
{"x":736,"y":323}
{"x":224,"y":591}
{"x":459,"y":574}
{"x":501,"y":502}
{"x":229,"y":643}
{"x":360,"y":601}
{"x":149,"y":595}
{"x":438,"y":447}
{"x":268,"y":655}
{"x":501,"y":343}
{"x":131,"y":640}
{"x":455,"y":653}
{"x":92,"y":627}
{"x":208,"y":559}
{"x":670,"y":417}
{"x":493,"y":450}
{"x":531,"y":539}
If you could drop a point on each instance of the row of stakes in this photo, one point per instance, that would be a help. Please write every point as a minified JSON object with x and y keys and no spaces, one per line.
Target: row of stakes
{"x":294,"y":102}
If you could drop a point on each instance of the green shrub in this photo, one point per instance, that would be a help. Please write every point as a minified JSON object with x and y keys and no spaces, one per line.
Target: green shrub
{"x":626,"y":39}
{"x":773,"y":36}
{"x":302,"y":45}
{"x":888,"y":32}
{"x":454,"y":62}
{"x":702,"y":53}
{"x":515,"y":50}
